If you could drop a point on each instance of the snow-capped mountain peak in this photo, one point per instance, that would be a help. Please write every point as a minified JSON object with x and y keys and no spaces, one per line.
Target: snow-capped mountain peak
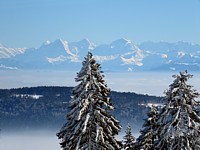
{"x":47,"y":42}
{"x":66,"y":47}
{"x":121,"y":42}
{"x":85,"y":43}
{"x":85,"y":40}
{"x":60,"y":43}
{"x":121,"y":54}
{"x":57,"y":47}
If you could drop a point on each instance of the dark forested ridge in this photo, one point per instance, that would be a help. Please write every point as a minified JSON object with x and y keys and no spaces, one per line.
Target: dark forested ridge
{"x":46,"y":107}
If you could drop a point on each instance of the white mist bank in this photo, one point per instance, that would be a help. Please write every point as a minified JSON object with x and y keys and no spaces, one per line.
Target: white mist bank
{"x":33,"y":140}
{"x":152,"y":83}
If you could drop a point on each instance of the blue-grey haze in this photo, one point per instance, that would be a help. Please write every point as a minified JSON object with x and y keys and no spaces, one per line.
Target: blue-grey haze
{"x":152,"y":83}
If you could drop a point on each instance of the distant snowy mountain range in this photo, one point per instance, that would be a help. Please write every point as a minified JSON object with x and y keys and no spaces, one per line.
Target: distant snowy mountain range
{"x":120,"y":55}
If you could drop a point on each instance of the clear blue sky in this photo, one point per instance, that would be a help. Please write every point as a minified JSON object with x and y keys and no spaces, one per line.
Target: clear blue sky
{"x":28,"y":23}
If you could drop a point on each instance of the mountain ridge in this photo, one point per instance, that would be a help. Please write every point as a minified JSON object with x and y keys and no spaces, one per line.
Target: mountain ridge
{"x":120,"y":55}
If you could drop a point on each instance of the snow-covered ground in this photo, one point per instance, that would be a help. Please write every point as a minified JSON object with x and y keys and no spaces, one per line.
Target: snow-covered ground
{"x":153,"y":83}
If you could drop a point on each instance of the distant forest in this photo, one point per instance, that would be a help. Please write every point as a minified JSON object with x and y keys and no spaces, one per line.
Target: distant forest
{"x":46,"y":107}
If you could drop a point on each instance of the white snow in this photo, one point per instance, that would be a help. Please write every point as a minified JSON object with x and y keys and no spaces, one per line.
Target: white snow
{"x":66,"y":47}
{"x":187,"y":64}
{"x":131,"y":60}
{"x":91,"y":44}
{"x":86,"y":122}
{"x":172,"y":68}
{"x":181,"y":54}
{"x":7,"y":67}
{"x":105,"y":58}
{"x":47,"y":42}
{"x":151,"y":104}
{"x":60,"y":58}
{"x":139,"y":54}
{"x":130,"y":69}
{"x":34,"y":96}
{"x":97,"y":133}
{"x":164,"y":55}
{"x":127,"y":41}
{"x":6,"y":52}
{"x":169,"y":61}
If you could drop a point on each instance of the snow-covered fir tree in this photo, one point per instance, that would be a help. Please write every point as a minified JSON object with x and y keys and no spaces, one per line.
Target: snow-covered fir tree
{"x":90,"y":125}
{"x":179,"y":121}
{"x":148,"y":136}
{"x":129,"y":139}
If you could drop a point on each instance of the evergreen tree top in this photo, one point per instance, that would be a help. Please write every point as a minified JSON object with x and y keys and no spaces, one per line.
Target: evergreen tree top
{"x":90,"y":124}
{"x":128,"y":132}
{"x":179,"y":120}
{"x":129,"y":139}
{"x":179,"y":89}
{"x":147,"y":137}
{"x":153,"y":111}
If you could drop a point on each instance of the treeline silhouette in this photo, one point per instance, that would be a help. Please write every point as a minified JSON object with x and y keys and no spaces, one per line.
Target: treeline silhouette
{"x":46,"y":107}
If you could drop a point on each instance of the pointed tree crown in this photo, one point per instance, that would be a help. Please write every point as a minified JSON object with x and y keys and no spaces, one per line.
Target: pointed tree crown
{"x":148,"y":136}
{"x":179,"y":121}
{"x":90,"y":124}
{"x":129,"y":139}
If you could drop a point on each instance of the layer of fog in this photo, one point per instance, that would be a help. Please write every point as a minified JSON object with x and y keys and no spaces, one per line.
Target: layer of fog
{"x":34,"y":140}
{"x":152,"y":83}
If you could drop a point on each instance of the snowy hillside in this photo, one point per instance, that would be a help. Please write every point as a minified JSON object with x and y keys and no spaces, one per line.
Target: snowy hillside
{"x":46,"y":107}
{"x":119,"y":55}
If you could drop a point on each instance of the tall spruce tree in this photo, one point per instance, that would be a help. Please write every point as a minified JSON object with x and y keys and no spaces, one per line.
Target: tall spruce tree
{"x":179,"y":121}
{"x":148,"y":136}
{"x":90,"y":124}
{"x":129,"y":139}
